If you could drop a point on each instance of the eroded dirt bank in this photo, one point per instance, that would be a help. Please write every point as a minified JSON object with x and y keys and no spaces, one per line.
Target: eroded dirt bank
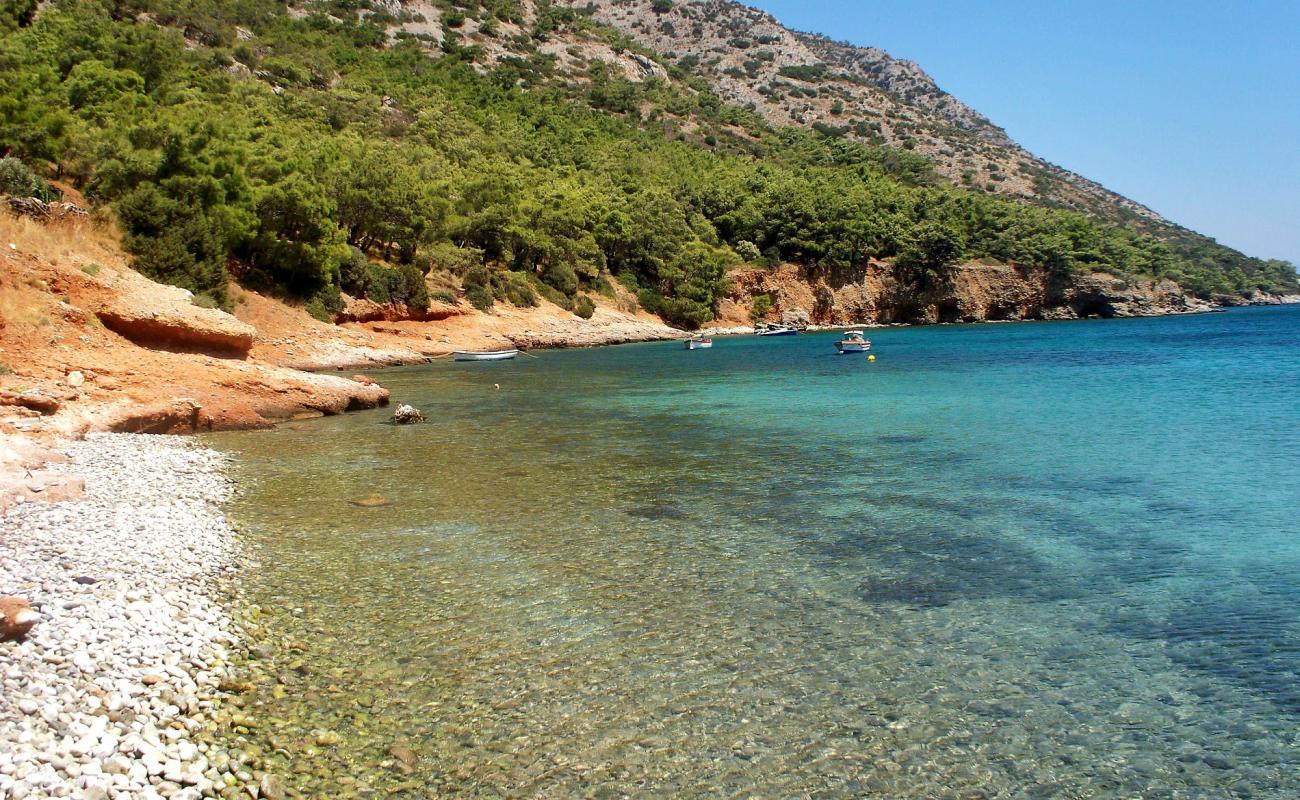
{"x":88,"y":344}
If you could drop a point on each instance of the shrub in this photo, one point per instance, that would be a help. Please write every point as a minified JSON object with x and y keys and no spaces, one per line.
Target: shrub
{"x":561,"y":277}
{"x":762,"y":305}
{"x":17,"y":179}
{"x":414,"y":291}
{"x":554,"y":295}
{"x":684,"y":313}
{"x":330,"y":300}
{"x":584,"y":307}
{"x":479,"y":297}
{"x":352,"y":272}
{"x":379,"y":284}
{"x":748,"y":251}
{"x":478,"y":287}
{"x":515,"y":288}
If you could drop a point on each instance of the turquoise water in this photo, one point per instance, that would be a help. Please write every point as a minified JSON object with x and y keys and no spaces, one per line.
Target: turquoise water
{"x":1039,"y":559}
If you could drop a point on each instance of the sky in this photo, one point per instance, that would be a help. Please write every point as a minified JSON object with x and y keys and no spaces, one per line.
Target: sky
{"x":1190,"y":107}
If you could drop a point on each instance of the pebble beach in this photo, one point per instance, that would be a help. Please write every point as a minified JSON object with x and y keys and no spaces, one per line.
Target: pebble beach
{"x":113,"y":693}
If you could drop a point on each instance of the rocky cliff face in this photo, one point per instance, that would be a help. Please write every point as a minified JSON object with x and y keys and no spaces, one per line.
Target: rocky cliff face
{"x":876,"y":293}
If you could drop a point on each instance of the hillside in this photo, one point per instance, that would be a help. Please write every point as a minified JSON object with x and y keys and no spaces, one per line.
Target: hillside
{"x":516,"y":153}
{"x":864,"y":94}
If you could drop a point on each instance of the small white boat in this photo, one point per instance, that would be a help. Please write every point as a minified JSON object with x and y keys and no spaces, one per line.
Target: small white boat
{"x":775,"y":330}
{"x":698,"y":343}
{"x":853,"y":342}
{"x":483,"y":355}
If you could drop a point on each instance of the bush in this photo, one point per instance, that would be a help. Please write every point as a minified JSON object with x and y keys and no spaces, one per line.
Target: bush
{"x":379,"y":284}
{"x":684,"y":313}
{"x":584,"y":307}
{"x":554,"y":295}
{"x":17,"y":179}
{"x":479,"y":297}
{"x":352,"y":272}
{"x":478,"y":287}
{"x":325,"y":304}
{"x":414,"y":291}
{"x":748,"y":251}
{"x":561,"y":277}
{"x":762,"y":305}
{"x":515,"y":289}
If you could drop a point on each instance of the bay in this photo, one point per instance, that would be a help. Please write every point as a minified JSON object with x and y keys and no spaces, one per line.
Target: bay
{"x":1033,"y":559}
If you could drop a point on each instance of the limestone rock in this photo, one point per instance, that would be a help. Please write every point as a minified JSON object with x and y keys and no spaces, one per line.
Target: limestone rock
{"x":796,"y":318}
{"x":162,"y":315}
{"x":407,"y":415}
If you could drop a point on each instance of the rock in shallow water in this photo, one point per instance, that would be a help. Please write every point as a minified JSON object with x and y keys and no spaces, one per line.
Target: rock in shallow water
{"x":407,"y":415}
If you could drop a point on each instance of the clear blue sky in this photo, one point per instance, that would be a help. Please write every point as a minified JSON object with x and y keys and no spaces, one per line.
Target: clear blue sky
{"x":1190,"y":107}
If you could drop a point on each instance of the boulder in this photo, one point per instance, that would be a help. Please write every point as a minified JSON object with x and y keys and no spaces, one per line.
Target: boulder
{"x":163,"y":315}
{"x":407,"y":415}
{"x":796,"y":318}
{"x":16,"y":617}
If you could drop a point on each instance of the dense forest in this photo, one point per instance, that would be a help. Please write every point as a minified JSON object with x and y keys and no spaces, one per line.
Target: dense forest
{"x":312,"y":153}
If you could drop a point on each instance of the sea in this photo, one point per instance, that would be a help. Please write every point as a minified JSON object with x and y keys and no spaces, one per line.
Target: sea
{"x":1039,"y":559}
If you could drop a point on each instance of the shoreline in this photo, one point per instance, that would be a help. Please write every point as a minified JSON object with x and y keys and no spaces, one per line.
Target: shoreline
{"x":113,"y":693}
{"x":154,"y":639}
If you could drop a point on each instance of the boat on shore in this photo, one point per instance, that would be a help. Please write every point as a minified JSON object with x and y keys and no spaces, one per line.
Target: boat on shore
{"x":698,"y":343}
{"x":853,"y":341}
{"x":769,"y":329}
{"x":484,"y":355}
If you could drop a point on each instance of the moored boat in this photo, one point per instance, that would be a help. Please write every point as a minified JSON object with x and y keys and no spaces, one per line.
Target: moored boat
{"x":853,"y":341}
{"x":769,"y":329}
{"x":484,"y":355}
{"x":698,"y":343}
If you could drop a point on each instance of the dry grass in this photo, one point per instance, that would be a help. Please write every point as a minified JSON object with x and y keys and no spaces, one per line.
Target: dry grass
{"x":74,"y":242}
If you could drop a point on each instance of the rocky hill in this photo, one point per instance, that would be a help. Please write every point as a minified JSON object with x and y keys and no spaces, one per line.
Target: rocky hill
{"x":794,"y":78}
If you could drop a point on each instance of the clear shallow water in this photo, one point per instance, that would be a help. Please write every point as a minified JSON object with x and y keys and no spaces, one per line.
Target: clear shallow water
{"x":1043,"y":560}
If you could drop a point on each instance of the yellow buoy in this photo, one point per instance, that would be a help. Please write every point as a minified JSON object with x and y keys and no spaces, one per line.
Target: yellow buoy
{"x":871,"y":357}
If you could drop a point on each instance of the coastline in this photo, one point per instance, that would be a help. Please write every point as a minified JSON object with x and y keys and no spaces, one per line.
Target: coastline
{"x":151,"y":533}
{"x":113,"y":693}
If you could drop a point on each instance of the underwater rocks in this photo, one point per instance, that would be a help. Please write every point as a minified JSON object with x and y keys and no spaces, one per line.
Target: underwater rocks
{"x":113,"y":693}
